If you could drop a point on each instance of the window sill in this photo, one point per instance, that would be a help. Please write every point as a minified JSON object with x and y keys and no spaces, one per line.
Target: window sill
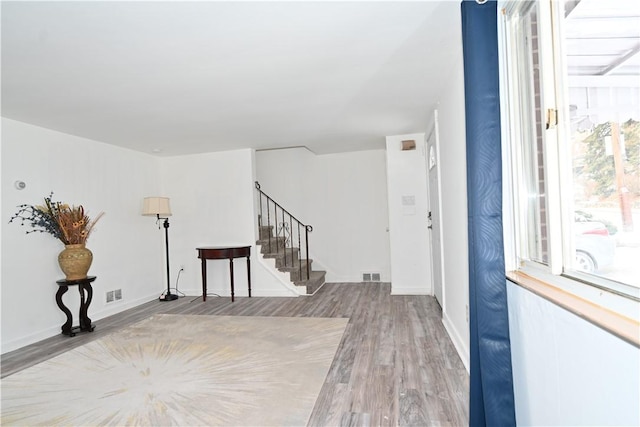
{"x":621,"y":326}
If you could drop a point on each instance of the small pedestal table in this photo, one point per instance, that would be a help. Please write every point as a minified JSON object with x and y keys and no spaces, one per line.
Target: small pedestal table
{"x":84,"y":285}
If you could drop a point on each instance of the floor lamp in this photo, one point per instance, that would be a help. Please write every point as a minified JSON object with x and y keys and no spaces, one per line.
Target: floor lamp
{"x":159,"y":207}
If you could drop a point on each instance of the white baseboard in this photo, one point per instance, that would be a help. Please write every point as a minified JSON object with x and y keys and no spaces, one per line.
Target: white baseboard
{"x":30,"y":339}
{"x":94,"y":315}
{"x":332,"y":278}
{"x":408,"y":291}
{"x":458,"y":342}
{"x":243,"y":293}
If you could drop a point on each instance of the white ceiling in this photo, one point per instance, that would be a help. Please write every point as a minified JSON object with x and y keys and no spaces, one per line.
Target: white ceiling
{"x":190,"y":77}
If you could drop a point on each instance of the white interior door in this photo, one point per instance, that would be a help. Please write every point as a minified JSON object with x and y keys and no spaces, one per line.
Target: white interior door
{"x":433,"y":170}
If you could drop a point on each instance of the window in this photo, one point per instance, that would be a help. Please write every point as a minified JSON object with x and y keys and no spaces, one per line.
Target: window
{"x":570,"y":75}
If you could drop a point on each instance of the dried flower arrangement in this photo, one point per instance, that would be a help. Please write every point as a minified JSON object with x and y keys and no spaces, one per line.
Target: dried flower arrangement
{"x":69,"y":224}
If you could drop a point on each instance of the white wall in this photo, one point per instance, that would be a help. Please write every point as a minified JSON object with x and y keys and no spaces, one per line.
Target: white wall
{"x":212,"y":200}
{"x":289,"y":177}
{"x":567,"y":371}
{"x":408,"y":205}
{"x":343,"y":196}
{"x":126,"y":249}
{"x":454,"y":210}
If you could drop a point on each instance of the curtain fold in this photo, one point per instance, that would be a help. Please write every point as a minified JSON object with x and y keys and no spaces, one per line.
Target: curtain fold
{"x":491,"y":389}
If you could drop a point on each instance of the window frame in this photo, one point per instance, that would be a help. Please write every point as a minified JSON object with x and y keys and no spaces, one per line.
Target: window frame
{"x":618,"y":297}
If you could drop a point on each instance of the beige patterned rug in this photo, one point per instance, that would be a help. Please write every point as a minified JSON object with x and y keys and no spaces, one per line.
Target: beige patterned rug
{"x":182,"y":371}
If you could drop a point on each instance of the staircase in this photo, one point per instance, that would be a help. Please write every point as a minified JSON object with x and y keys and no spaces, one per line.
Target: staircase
{"x":277,"y":239}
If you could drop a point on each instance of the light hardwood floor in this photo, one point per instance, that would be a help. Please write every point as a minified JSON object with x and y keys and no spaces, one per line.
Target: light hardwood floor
{"x":395,"y":366}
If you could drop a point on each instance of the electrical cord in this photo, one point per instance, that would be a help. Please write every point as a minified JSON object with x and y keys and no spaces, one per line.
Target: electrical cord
{"x":178,"y":278}
{"x":178,"y":292}
{"x":182,"y":294}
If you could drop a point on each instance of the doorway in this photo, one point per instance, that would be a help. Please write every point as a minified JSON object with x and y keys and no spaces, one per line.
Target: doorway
{"x":435,"y":213}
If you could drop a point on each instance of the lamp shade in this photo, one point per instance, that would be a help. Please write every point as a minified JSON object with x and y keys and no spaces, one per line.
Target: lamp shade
{"x":156,"y":206}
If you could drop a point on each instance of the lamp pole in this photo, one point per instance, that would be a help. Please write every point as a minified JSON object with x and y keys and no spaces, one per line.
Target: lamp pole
{"x":168,"y":296}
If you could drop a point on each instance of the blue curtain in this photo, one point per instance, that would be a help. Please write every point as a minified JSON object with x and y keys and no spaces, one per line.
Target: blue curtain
{"x":491,"y":390}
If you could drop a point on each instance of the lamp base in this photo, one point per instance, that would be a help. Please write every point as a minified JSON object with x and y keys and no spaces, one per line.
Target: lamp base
{"x":168,"y":297}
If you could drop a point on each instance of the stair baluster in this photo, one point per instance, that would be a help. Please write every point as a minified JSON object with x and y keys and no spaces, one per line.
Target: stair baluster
{"x":300,"y":275}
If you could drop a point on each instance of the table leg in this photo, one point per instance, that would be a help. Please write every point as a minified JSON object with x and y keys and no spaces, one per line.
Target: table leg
{"x":204,"y":279}
{"x":249,"y":274}
{"x":85,"y":321}
{"x":231,"y":275}
{"x":66,"y":328}
{"x":83,"y":311}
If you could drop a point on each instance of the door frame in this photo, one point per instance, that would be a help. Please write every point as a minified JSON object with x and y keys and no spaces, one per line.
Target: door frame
{"x":435,"y":133}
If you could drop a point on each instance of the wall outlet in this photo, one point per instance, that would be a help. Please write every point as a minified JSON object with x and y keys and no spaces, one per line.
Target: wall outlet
{"x":375,"y":277}
{"x":366,"y":277}
{"x":117,"y":294}
{"x":182,"y":267}
{"x":110,"y":296}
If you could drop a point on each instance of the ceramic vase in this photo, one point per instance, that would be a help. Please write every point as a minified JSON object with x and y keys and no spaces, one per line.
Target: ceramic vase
{"x":75,"y":261}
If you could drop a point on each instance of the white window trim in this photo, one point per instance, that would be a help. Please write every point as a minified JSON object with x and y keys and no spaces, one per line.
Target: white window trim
{"x":620,"y":299}
{"x":610,"y":320}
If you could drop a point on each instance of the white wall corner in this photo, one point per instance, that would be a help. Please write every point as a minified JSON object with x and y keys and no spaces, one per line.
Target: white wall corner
{"x":344,"y":241}
{"x":408,"y":205}
{"x":458,"y":342}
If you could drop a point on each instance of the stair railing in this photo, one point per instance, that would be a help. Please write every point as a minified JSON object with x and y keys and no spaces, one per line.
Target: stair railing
{"x":270,"y":206}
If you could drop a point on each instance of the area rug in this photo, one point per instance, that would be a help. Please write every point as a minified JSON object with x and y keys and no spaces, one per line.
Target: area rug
{"x":184,"y":371}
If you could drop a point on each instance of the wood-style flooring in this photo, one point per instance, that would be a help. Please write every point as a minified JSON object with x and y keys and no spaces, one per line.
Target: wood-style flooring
{"x":395,"y":366}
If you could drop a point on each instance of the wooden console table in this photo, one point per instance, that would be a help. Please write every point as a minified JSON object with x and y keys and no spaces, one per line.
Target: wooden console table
{"x":85,"y":322}
{"x":224,"y":252}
